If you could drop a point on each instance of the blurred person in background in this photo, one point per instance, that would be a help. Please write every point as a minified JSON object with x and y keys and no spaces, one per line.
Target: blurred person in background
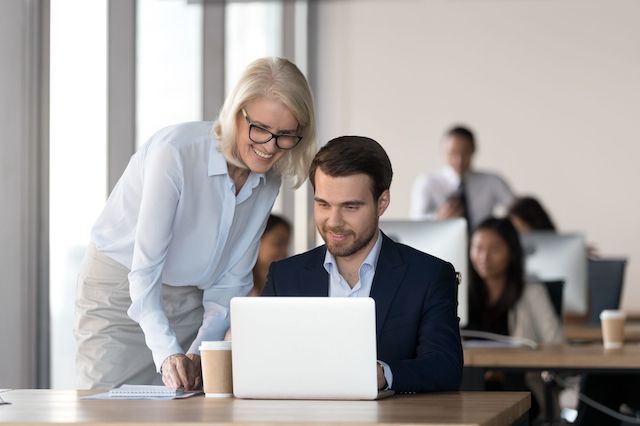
{"x":457,"y":189}
{"x":501,"y":303}
{"x":527,"y":214}
{"x":274,"y":245}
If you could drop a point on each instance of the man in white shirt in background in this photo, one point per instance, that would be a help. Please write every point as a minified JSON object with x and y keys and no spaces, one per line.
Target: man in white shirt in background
{"x":456,"y":190}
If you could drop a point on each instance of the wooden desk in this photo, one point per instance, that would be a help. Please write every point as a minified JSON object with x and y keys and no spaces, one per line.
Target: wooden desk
{"x":593,"y":333}
{"x":556,"y":357}
{"x":31,"y":407}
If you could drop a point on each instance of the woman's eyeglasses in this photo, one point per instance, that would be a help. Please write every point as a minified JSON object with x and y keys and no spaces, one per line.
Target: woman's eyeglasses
{"x":260,"y":135}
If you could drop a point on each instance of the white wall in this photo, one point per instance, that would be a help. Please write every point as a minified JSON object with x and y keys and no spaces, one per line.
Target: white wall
{"x":552,"y":89}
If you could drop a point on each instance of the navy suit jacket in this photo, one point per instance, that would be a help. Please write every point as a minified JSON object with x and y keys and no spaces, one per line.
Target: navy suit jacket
{"x":417,"y":326}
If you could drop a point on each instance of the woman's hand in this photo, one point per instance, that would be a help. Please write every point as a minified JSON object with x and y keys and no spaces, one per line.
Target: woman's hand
{"x":178,"y":371}
{"x":195,"y":359}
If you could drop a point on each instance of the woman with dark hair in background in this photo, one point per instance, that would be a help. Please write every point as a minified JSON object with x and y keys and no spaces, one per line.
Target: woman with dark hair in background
{"x":274,"y":245}
{"x":500,"y":302}
{"x":527,"y":214}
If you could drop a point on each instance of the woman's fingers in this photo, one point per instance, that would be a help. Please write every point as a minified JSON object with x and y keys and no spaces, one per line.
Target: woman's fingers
{"x":184,"y":370}
{"x":197,"y":370}
{"x":178,"y":372}
{"x":169,"y":375}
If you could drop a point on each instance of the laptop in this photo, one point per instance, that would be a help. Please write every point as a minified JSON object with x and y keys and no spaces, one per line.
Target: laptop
{"x":304,"y":348}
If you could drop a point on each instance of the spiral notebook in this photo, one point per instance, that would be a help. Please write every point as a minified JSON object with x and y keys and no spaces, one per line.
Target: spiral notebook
{"x":144,"y":392}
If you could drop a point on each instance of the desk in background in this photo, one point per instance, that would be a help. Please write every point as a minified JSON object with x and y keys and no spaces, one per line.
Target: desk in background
{"x":554,"y":358}
{"x":41,"y":407}
{"x":593,"y":333}
{"x":584,"y":358}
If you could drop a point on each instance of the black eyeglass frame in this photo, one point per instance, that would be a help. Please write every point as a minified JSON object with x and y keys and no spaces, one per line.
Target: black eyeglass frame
{"x":273,"y":135}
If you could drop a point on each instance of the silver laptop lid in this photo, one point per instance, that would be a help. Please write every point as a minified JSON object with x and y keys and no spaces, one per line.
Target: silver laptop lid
{"x":304,"y":348}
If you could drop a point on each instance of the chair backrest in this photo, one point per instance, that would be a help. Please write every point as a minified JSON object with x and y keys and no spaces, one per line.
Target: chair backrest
{"x":605,"y":280}
{"x":555,"y":290}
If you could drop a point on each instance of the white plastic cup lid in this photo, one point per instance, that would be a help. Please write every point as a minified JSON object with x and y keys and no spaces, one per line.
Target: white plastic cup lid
{"x":612,"y":314}
{"x":218,"y":345}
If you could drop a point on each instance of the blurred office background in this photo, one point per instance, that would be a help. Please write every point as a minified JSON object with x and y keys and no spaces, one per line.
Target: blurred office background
{"x":551,"y":88}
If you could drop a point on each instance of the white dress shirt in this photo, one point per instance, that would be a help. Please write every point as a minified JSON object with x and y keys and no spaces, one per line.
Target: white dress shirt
{"x":339,"y":287}
{"x":486,"y":194}
{"x":174,"y":218}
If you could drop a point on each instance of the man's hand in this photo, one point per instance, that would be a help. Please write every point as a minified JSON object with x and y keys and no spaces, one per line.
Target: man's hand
{"x":382,"y":381}
{"x":178,"y":371}
{"x":195,"y":359}
{"x":452,"y":208}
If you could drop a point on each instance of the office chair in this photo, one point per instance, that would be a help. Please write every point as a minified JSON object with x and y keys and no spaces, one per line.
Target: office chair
{"x":605,"y":281}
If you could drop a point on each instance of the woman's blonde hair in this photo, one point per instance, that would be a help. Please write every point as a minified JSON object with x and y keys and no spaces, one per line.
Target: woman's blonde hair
{"x":279,"y":79}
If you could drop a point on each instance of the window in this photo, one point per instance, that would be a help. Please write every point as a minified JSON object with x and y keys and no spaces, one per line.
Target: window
{"x":77,"y":191}
{"x":253,"y":30}
{"x":169,"y":65}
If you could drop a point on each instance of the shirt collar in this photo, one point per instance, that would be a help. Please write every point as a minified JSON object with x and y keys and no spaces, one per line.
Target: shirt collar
{"x":451,"y":175}
{"x":218,"y":164}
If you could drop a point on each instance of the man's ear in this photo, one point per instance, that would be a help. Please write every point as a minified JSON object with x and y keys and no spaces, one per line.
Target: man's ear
{"x":383,"y":202}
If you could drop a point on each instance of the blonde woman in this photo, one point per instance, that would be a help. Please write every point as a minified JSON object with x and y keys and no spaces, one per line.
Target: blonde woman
{"x":180,"y":232}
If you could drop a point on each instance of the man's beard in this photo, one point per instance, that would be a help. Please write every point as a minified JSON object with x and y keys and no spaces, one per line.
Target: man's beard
{"x":352,"y":249}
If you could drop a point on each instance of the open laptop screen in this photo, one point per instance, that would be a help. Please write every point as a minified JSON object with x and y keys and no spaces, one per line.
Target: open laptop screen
{"x":304,"y":347}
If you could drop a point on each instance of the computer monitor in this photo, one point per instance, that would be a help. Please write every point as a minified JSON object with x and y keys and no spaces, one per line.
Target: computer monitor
{"x":550,"y":257}
{"x":445,"y":239}
{"x":605,"y":282}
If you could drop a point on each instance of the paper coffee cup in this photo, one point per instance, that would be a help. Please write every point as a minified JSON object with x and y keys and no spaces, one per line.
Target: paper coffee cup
{"x":217,"y":380}
{"x":612,"y":322}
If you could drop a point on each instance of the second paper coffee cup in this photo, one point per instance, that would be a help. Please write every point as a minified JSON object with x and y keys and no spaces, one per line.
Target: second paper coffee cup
{"x":217,"y":380}
{"x":612,"y":328}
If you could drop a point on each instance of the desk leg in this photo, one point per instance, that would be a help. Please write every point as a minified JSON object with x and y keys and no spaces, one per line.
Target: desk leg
{"x":549,"y":396}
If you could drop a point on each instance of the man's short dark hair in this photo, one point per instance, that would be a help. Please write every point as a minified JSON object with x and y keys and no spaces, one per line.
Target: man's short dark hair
{"x":464,"y":133}
{"x":351,"y":155}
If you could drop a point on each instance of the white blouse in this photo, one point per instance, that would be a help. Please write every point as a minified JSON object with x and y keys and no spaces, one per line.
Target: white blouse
{"x":174,"y":218}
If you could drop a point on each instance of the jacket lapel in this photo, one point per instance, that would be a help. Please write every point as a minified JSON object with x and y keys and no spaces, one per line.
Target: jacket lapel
{"x":315,"y":279}
{"x":390,"y":272}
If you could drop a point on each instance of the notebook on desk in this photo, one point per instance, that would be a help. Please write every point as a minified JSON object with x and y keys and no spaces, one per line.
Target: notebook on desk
{"x":304,"y":348}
